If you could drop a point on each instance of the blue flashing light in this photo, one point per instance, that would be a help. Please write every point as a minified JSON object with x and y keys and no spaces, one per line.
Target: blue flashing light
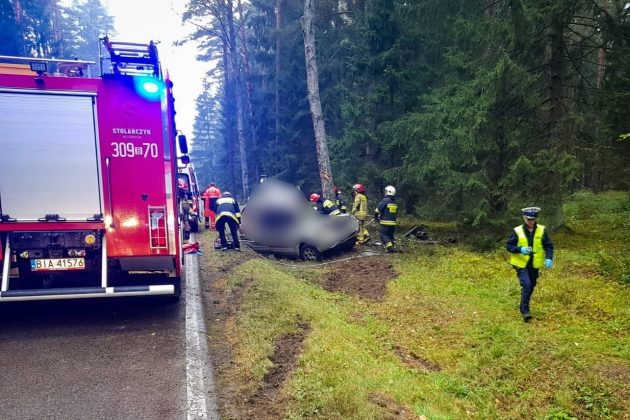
{"x":149,"y":88}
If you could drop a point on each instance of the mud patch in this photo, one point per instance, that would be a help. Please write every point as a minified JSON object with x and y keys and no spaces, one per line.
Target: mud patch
{"x":363,"y":277}
{"x":264,"y":403}
{"x":416,"y":362}
{"x":392,"y":410}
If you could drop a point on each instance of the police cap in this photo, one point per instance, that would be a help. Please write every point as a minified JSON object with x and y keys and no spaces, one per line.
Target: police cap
{"x":530,"y":212}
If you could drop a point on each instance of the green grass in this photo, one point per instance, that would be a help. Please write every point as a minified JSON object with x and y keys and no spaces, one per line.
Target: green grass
{"x":457,"y":309}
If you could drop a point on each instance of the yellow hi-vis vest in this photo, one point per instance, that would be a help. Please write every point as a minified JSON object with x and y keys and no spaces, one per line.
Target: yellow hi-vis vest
{"x":519,"y":260}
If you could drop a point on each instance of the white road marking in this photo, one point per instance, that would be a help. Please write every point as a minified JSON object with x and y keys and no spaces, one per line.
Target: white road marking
{"x":200,"y":388}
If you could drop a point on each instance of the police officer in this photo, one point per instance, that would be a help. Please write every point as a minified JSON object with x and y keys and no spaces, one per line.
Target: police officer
{"x":340,"y":201}
{"x":531,"y":249}
{"x":385,"y":213}
{"x":325,"y":207}
{"x":228,"y":213}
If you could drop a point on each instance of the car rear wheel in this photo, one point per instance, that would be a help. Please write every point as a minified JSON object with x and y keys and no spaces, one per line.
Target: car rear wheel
{"x":310,"y":253}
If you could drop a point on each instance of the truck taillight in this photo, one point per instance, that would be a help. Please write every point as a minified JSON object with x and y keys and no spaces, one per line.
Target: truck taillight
{"x":157,"y":227}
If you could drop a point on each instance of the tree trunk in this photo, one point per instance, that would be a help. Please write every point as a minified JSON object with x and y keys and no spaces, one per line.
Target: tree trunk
{"x":554,"y":215}
{"x":278,"y":13}
{"x":601,"y":65}
{"x":229,"y":119}
{"x":312,"y":82}
{"x":248,"y":84}
{"x":239,"y":98}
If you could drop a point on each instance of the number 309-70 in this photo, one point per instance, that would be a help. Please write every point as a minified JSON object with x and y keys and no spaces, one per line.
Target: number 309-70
{"x":125,"y":149}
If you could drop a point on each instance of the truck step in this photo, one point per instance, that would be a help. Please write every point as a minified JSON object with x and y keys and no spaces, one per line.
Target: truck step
{"x":85,"y":292}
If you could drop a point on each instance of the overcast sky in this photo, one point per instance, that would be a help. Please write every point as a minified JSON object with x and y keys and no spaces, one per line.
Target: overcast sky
{"x":160,"y":20}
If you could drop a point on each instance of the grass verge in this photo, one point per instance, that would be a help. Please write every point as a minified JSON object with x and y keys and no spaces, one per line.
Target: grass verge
{"x":447,"y":341}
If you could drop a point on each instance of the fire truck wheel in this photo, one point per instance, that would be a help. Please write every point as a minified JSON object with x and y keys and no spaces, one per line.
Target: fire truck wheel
{"x":194,"y":225}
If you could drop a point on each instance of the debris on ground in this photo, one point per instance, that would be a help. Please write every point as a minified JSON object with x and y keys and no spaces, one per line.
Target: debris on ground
{"x":419,"y":232}
{"x":192,"y":248}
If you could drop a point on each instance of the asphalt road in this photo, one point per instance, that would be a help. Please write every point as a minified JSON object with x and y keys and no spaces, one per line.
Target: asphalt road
{"x":119,"y":358}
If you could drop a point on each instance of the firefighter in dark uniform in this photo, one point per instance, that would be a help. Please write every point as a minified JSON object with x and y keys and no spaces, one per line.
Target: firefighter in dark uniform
{"x":385,"y":214}
{"x":228,"y":213}
{"x":325,"y":207}
{"x":531,"y":249}
{"x":185,"y":205}
{"x":340,"y":201}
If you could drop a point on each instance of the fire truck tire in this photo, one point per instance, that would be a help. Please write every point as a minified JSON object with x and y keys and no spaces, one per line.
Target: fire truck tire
{"x":194,"y":225}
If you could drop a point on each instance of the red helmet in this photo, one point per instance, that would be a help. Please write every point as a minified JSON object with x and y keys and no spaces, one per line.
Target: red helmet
{"x":314,"y":197}
{"x":358,"y":188}
{"x":336,"y":189}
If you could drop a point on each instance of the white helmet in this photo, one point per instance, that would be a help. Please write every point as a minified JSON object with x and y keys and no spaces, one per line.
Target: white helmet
{"x":389,"y":190}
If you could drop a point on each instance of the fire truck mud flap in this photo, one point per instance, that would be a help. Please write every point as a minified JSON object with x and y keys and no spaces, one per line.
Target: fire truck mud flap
{"x":86,"y":292}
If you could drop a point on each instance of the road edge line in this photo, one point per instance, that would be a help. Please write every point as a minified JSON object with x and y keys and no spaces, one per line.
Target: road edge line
{"x":200,"y":388}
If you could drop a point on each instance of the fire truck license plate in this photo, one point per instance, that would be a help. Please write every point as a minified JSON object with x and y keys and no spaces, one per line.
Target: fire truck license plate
{"x":47,"y":264}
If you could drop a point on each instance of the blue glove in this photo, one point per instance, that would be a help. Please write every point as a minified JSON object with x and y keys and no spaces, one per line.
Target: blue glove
{"x":548,"y":263}
{"x":525,"y":250}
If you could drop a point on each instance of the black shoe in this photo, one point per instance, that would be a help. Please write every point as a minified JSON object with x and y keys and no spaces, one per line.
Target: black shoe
{"x":527,"y":317}
{"x":237,"y":249}
{"x":224,"y":249}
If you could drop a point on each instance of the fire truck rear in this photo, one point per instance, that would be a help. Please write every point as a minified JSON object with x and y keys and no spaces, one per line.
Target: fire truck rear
{"x":88,"y":167}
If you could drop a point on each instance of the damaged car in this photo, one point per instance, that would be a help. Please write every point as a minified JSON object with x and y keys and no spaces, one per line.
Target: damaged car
{"x":278,"y":219}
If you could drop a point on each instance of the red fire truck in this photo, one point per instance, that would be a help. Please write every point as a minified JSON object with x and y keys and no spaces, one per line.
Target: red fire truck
{"x":88,"y":171}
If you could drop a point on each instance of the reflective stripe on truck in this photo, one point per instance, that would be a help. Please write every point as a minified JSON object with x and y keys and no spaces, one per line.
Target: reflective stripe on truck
{"x":85,"y":292}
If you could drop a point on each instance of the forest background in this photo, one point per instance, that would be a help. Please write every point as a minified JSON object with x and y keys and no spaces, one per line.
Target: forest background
{"x":471,"y":108}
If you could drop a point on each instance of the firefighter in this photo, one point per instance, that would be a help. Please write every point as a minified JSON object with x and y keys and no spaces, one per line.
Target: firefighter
{"x":340,"y":200}
{"x":360,"y":211}
{"x":531,"y":249}
{"x":210,"y":197}
{"x":185,"y":205}
{"x":228,"y":212}
{"x":326,"y":207}
{"x":385,"y":215}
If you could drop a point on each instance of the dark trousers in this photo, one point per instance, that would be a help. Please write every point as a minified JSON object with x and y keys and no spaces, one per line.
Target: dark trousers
{"x":387,"y":236}
{"x":233,"y":224}
{"x":527,"y":278}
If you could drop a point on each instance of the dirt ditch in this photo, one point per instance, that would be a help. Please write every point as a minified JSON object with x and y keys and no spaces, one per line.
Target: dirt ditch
{"x":363,"y":277}
{"x":264,"y":403}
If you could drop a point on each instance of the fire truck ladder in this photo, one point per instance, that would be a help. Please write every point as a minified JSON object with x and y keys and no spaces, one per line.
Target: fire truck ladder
{"x":133,"y":59}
